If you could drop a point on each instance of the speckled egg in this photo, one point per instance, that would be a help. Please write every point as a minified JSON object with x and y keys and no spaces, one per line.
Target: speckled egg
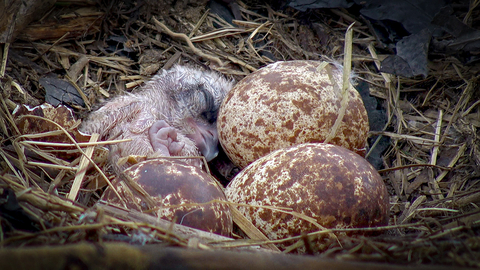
{"x":170,"y":182}
{"x":332,"y":185}
{"x":288,"y":103}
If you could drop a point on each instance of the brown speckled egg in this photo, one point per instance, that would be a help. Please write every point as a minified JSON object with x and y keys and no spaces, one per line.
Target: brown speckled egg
{"x":288,"y":103}
{"x":172,"y":182}
{"x":329,"y":183}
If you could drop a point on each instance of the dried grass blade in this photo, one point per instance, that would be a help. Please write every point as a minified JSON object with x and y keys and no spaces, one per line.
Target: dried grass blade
{"x":347,"y":67}
{"x":433,"y":158}
{"x":3,"y":64}
{"x":82,"y":169}
{"x":248,"y":228}
{"x":460,"y":152}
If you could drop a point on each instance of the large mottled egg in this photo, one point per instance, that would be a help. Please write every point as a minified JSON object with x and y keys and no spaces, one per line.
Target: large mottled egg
{"x":288,"y":103}
{"x":332,"y":185}
{"x":159,"y":185}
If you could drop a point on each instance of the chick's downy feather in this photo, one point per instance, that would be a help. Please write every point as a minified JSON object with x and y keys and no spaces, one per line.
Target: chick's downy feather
{"x":184,"y":97}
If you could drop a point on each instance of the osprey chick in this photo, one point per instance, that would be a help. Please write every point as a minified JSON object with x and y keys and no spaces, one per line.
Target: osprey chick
{"x":174,"y":114}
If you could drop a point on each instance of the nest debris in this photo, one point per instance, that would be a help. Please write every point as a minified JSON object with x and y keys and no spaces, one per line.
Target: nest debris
{"x":430,"y":168}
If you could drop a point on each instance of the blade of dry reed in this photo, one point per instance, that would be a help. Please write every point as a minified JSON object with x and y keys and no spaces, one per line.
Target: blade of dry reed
{"x":38,"y":198}
{"x":7,"y":116}
{"x":436,"y":148}
{"x":84,"y":144}
{"x":387,"y":77}
{"x":408,"y":214}
{"x":465,"y":200}
{"x":347,"y":67}
{"x":219,"y":33}
{"x":178,"y":229}
{"x":413,"y":139}
{"x":248,"y":228}
{"x":82,"y":168}
{"x":109,"y":61}
{"x":467,"y":219}
{"x":3,"y":65}
{"x":79,"y":91}
{"x":134,"y":188}
{"x":56,"y":181}
{"x":252,"y":35}
{"x":52,"y":166}
{"x":198,"y":24}
{"x":462,"y":101}
{"x":460,"y":152}
{"x":12,"y":167}
{"x":433,"y":158}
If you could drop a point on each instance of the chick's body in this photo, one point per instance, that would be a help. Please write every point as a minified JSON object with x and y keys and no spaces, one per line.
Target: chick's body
{"x":173,"y":114}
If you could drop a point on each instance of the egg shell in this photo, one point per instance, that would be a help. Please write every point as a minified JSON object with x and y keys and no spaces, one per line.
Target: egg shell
{"x":288,"y":103}
{"x":329,"y":183}
{"x":172,"y":182}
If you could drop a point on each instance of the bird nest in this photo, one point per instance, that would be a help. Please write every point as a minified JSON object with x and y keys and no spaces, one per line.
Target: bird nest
{"x":81,"y":54}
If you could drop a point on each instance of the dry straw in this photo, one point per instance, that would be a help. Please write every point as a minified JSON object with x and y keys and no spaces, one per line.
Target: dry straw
{"x":431,"y":166}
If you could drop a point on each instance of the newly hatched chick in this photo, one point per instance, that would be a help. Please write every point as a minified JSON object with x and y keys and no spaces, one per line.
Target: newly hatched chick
{"x":174,"y":114}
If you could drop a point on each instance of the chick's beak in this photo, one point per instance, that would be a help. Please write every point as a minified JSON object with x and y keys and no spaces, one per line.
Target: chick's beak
{"x":205,"y":138}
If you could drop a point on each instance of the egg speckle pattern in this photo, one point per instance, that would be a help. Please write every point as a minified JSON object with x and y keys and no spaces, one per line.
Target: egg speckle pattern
{"x":288,"y":103}
{"x":329,"y":183}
